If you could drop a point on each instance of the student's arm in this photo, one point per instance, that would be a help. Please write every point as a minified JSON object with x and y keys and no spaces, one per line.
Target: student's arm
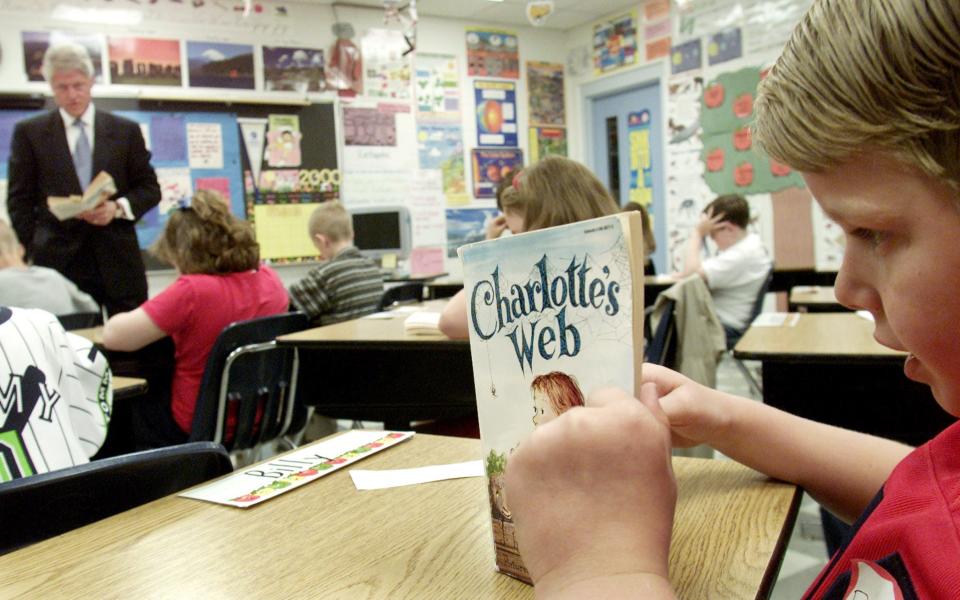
{"x":131,"y":331}
{"x":592,"y":494}
{"x":842,"y":469}
{"x":692,"y":258}
{"x":453,"y":319}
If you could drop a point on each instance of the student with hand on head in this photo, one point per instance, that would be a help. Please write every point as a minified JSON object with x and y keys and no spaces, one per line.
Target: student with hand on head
{"x":863,"y":102}
{"x":554,"y":191}
{"x":57,"y":154}
{"x":28,"y":286}
{"x":220,"y":281}
{"x":736,"y":274}
{"x":347,"y":285}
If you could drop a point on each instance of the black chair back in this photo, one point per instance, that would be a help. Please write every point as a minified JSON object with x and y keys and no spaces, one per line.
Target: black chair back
{"x":80,"y":320}
{"x":41,"y":506}
{"x":662,"y":343}
{"x":249,"y":376}
{"x":411,"y":291}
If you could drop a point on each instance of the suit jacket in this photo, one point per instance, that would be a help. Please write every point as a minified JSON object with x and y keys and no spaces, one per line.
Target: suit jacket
{"x":41,"y":165}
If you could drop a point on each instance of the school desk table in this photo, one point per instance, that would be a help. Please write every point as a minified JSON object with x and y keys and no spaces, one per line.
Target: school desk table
{"x":814,"y":298}
{"x":329,"y":541}
{"x":128,"y":387}
{"x":827,"y":367}
{"x":371,"y":369}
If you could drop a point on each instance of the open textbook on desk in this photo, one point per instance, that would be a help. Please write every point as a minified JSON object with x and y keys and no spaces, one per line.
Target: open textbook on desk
{"x":553,"y":314}
{"x":67,"y":207}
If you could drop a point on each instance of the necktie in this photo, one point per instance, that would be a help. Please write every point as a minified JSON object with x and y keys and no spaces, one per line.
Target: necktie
{"x":82,"y":160}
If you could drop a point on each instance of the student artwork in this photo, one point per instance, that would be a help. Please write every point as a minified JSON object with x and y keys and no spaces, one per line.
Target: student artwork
{"x":545,"y":91}
{"x":437,"y":83}
{"x":35,"y":44}
{"x":496,"y":113}
{"x":547,"y":140}
{"x":368,"y":127}
{"x":283,"y":141}
{"x":491,"y":166}
{"x":723,"y":46}
{"x":345,"y":70}
{"x":732,"y":165}
{"x":386,"y":72}
{"x":641,"y":165}
{"x":615,"y":43}
{"x":144,"y":61}
{"x":220,"y":65}
{"x":293,"y":69}
{"x":440,"y":146}
{"x":685,"y":57}
{"x":253,"y":131}
{"x":492,"y":53}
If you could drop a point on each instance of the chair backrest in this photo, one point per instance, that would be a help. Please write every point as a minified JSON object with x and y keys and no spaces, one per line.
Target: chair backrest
{"x":41,"y":506}
{"x":411,"y":291}
{"x":252,"y":381}
{"x":754,"y":310}
{"x":661,"y":343}
{"x":81,"y":320}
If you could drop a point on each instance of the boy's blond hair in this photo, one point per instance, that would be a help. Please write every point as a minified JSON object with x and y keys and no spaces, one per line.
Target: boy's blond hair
{"x":9,"y":244}
{"x":332,"y":220}
{"x":557,"y":191}
{"x":867,"y":75}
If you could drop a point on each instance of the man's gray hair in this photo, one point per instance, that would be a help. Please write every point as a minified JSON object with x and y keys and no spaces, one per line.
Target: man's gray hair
{"x":67,"y":56}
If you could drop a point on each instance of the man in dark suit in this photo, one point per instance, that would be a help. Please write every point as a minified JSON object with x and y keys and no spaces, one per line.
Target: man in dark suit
{"x":56,"y":154}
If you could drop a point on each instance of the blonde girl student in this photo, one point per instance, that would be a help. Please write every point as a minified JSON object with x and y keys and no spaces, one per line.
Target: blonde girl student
{"x":554,"y":191}
{"x":865,"y":103}
{"x":220,"y":281}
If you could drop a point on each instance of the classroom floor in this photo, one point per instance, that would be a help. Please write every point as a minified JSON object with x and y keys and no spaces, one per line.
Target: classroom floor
{"x":806,"y":552}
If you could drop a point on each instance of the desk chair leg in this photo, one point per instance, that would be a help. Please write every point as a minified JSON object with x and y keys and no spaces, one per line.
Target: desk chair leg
{"x":755,"y":386}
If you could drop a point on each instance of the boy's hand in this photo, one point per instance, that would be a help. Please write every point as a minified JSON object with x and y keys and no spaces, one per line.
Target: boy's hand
{"x":592,"y":494}
{"x":496,"y":227}
{"x":697,"y":414}
{"x":708,"y":222}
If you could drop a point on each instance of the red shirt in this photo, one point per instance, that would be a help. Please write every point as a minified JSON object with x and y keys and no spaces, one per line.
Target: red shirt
{"x":195,"y":309}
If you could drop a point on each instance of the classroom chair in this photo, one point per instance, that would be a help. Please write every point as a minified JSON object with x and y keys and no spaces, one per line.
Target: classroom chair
{"x":411,"y":291}
{"x":661,"y":345}
{"x":41,"y":506}
{"x":252,"y":382}
{"x":82,"y":320}
{"x":732,"y":339}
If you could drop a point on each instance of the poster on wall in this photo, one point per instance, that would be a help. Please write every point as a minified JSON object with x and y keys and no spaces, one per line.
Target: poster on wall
{"x":496,"y":113}
{"x":724,"y":45}
{"x":545,"y":92}
{"x":641,"y":166}
{"x":615,"y":43}
{"x":467,"y":225}
{"x":545,"y":141}
{"x":491,"y":166}
{"x":35,"y":44}
{"x":368,"y":127}
{"x":220,"y":65}
{"x":492,"y":53}
{"x":440,"y":147}
{"x":386,"y":71}
{"x":283,"y":141}
{"x":293,"y":69}
{"x":379,"y":154}
{"x":685,"y":57}
{"x":437,"y":83}
{"x":732,"y":165}
{"x":144,"y":61}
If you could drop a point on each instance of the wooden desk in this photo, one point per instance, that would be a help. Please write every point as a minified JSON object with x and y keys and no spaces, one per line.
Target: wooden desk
{"x":829,"y":368}
{"x":371,"y":369}
{"x":814,"y":298}
{"x":127,"y":387}
{"x":327,"y":540}
{"x":94,"y":334}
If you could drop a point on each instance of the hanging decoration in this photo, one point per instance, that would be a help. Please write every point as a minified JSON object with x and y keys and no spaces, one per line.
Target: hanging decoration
{"x":406,"y":17}
{"x":538,"y":11}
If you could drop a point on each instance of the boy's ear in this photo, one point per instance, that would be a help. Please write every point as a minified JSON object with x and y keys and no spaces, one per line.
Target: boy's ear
{"x":319,"y":240}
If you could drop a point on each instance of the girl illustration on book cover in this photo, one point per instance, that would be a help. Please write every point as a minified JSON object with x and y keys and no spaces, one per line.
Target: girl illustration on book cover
{"x":554,"y":393}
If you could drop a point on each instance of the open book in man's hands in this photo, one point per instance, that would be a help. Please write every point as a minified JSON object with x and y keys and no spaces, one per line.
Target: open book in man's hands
{"x":67,"y":207}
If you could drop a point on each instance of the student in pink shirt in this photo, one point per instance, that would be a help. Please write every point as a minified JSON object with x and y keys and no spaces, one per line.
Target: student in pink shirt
{"x":221,"y":281}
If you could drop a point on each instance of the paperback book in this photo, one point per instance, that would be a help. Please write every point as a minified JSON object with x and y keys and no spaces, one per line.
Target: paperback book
{"x":67,"y":207}
{"x":553,"y":314}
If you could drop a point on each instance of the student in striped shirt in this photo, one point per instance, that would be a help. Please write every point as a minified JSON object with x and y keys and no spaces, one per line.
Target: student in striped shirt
{"x":346,"y":285}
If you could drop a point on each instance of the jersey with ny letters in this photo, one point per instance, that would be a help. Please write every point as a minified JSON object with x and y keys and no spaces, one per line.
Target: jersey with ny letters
{"x":55,"y":395}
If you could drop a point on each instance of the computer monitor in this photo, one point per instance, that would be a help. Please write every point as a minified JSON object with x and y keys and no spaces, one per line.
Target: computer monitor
{"x":382,"y":230}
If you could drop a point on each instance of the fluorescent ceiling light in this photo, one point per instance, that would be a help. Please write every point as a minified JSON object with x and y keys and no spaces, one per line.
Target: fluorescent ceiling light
{"x":109,"y":16}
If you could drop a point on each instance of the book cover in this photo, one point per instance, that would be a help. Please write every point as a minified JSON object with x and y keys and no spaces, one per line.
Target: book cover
{"x":67,"y":207}
{"x":553,"y":314}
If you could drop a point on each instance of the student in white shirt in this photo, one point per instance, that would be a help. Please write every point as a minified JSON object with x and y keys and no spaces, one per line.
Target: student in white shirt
{"x":737,"y":272}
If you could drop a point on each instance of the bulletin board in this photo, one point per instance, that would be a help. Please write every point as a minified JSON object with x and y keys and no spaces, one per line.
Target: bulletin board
{"x":201,"y":145}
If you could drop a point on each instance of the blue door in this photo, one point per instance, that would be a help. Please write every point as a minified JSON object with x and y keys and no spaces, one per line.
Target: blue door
{"x":611,"y":152}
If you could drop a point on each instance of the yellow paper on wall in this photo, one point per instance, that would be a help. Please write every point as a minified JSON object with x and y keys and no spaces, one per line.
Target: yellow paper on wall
{"x":282,"y":230}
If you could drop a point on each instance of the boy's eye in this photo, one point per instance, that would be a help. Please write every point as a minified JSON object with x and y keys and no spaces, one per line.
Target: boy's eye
{"x":870,"y":236}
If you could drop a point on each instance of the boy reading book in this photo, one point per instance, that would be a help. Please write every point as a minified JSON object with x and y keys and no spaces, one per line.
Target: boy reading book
{"x":864,"y":102}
